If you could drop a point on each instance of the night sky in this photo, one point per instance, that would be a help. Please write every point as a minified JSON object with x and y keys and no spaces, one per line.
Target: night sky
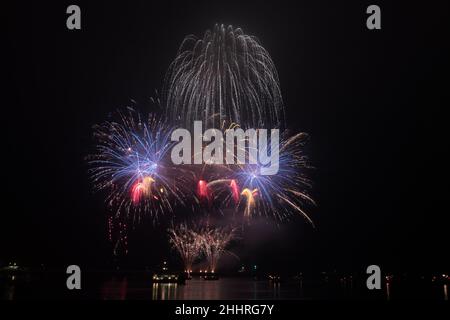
{"x":373,"y":102}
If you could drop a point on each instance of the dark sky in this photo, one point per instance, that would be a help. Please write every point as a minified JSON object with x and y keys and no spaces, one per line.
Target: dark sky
{"x":373,"y":103}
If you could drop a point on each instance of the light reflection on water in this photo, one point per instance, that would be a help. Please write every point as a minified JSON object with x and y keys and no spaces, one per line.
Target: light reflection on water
{"x":198,"y":289}
{"x":388,"y":291}
{"x":115,"y":289}
{"x":238,"y":288}
{"x":121,"y":288}
{"x":164,"y":291}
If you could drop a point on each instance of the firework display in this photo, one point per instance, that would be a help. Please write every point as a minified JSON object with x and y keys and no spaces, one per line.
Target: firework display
{"x":130,"y":162}
{"x":226,"y":76}
{"x":226,"y":80}
{"x":196,"y":242}
{"x":212,"y":158}
{"x":284,"y":193}
{"x":214,"y":242}
{"x":187,"y":243}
